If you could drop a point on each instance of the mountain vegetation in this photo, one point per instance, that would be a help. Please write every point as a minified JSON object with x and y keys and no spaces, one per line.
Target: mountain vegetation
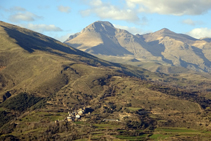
{"x":42,"y":79}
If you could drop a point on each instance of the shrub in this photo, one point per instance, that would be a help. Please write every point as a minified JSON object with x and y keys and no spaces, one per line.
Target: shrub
{"x":5,"y":117}
{"x":20,"y":102}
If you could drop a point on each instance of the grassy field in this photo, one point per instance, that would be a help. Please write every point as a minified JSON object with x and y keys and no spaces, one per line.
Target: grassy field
{"x":44,"y":116}
{"x":132,"y":138}
{"x":165,"y":133}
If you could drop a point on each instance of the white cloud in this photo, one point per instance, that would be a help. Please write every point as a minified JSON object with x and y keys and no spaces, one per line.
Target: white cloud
{"x":188,"y":21}
{"x":130,"y":4}
{"x":17,"y":8}
{"x":42,"y":27}
{"x":191,"y":22}
{"x":96,"y":2}
{"x":64,"y":9}
{"x":200,"y":33}
{"x":108,"y":11}
{"x":13,"y":9}
{"x":175,"y":7}
{"x":26,"y":16}
{"x":63,"y":37}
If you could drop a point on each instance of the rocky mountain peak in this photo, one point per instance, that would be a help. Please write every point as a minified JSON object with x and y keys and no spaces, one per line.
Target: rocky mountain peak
{"x":100,"y":26}
{"x":164,"y":31}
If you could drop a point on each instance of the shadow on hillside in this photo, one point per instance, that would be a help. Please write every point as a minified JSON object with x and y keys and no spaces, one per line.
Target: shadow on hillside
{"x":156,"y":49}
{"x":73,"y":45}
{"x":199,"y":52}
{"x":31,"y":41}
{"x":105,"y":49}
{"x":109,"y":47}
{"x":189,"y":65}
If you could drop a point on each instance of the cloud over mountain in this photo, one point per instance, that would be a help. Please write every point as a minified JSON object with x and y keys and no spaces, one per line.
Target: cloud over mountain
{"x":23,"y":16}
{"x":42,"y":27}
{"x":200,"y":32}
{"x":191,"y":22}
{"x":107,"y":10}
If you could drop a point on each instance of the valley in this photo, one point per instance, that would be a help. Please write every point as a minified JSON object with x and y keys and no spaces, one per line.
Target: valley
{"x":42,"y":79}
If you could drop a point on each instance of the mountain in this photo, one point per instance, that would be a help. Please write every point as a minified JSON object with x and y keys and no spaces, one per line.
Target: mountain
{"x":97,"y":38}
{"x":163,"y":47}
{"x":44,"y":81}
{"x":34,"y":63}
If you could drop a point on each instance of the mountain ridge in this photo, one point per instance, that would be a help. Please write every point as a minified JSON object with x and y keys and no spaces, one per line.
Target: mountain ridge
{"x":163,"y":46}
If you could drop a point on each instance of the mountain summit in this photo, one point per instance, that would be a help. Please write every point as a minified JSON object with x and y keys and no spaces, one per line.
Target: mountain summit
{"x":160,"y":34}
{"x":100,"y":26}
{"x":165,"y":31}
{"x":98,"y":38}
{"x":166,"y":47}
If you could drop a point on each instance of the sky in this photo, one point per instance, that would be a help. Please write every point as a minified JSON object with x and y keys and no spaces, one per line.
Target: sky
{"x":61,"y":18}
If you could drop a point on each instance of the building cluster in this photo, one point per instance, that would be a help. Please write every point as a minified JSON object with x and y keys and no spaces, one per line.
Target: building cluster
{"x":76,"y":114}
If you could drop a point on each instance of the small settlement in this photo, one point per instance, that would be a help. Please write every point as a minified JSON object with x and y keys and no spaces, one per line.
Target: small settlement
{"x":80,"y":115}
{"x":77,"y":114}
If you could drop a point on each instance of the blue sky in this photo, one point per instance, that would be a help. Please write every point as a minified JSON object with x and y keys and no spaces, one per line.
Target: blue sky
{"x":61,"y":18}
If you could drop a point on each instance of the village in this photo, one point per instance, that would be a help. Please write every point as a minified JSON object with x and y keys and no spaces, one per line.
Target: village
{"x":79,"y":115}
{"x":84,"y":113}
{"x":76,"y":115}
